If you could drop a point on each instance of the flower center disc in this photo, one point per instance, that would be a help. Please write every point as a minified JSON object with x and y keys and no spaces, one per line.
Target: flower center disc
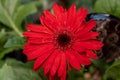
{"x":63,"y":40}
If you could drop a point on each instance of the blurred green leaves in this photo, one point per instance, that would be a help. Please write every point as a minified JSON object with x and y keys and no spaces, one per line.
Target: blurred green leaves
{"x":3,"y":38}
{"x":14,"y":70}
{"x":108,"y":6}
{"x":86,"y":3}
{"x":102,"y":65}
{"x":22,"y":12}
{"x":113,"y":71}
{"x":12,"y":16}
{"x":12,"y":12}
{"x":16,"y":42}
{"x":75,"y":75}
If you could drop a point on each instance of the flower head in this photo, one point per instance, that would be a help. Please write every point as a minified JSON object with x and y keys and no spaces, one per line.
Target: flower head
{"x":64,"y":40}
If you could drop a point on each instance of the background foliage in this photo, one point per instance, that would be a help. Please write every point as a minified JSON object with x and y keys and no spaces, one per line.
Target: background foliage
{"x":14,"y":14}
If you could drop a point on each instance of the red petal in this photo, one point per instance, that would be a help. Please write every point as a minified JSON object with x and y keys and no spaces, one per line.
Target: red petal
{"x":29,"y":48}
{"x":90,"y":44}
{"x":40,"y":51}
{"x":55,"y":64}
{"x":62,"y":67}
{"x":39,"y":40}
{"x":72,"y":59}
{"x":60,"y":14}
{"x":38,"y":28}
{"x":81,"y":27}
{"x":50,"y":23}
{"x":80,"y":18}
{"x":71,"y":16}
{"x":52,"y":77}
{"x":92,"y":55}
{"x":78,"y":47}
{"x":39,"y":62}
{"x":63,"y":77}
{"x":89,"y":35}
{"x":88,"y":26}
{"x":82,"y":59}
{"x":37,"y":35}
{"x":50,"y":62}
{"x":52,"y":20}
{"x":58,"y":10}
{"x":48,"y":15}
{"x":69,"y":67}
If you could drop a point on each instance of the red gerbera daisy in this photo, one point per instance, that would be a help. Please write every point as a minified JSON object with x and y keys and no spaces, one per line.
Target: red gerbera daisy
{"x":64,"y":40}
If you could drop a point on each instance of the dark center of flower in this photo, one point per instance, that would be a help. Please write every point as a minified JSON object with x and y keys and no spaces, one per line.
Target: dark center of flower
{"x":63,"y":40}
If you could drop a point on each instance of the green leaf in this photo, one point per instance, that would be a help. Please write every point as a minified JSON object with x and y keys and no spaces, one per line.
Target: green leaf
{"x":22,"y":12}
{"x":10,"y":72}
{"x":3,"y":15}
{"x":12,"y":13}
{"x":108,"y":6}
{"x":3,"y":39}
{"x":113,"y":71}
{"x":16,"y":63}
{"x":16,"y":42}
{"x":2,"y":36}
{"x":4,"y":51}
{"x":46,"y":4}
{"x":11,"y":6}
{"x":1,"y":63}
{"x":75,"y":75}
{"x":100,"y":64}
{"x":6,"y":18}
{"x":84,"y":3}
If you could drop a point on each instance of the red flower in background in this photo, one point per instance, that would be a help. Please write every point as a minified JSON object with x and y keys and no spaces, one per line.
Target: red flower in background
{"x":64,"y":40}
